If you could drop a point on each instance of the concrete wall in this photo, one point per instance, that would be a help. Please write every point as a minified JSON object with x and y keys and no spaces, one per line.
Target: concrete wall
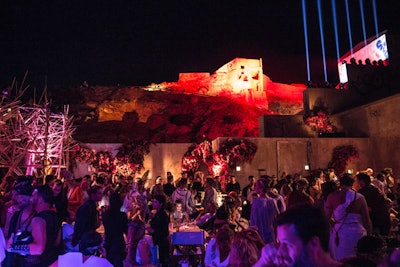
{"x":163,"y":158}
{"x":275,"y":155}
{"x":379,"y":121}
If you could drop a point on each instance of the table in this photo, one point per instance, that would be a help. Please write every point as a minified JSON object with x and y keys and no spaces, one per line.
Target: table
{"x":188,"y":242}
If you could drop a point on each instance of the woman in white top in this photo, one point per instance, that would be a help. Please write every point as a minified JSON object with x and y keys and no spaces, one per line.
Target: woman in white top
{"x":217,"y":251}
{"x":89,"y":246}
{"x":349,"y":213}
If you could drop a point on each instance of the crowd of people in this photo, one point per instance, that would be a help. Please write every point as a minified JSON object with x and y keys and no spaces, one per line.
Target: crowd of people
{"x":98,"y":220}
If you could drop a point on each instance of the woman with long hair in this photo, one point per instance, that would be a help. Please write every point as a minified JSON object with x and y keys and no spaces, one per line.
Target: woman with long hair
{"x":246,"y":248}
{"x":60,"y":200}
{"x":217,"y":252}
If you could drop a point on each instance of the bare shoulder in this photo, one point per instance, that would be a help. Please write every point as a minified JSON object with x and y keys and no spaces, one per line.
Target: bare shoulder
{"x":38,"y":222}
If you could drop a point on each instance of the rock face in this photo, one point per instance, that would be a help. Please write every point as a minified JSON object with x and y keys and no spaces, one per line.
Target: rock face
{"x":123,"y":114}
{"x":228,"y":102}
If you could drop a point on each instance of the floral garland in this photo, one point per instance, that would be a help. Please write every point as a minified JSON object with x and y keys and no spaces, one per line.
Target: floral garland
{"x":103,"y":162}
{"x":231,"y":152}
{"x":219,"y":166}
{"x":123,"y":166}
{"x":203,"y":150}
{"x":131,"y":156}
{"x":320,"y":123}
{"x":237,"y":150}
{"x":129,"y":159}
{"x":341,"y":156}
{"x":318,"y":120}
{"x":196,"y":153}
{"x":82,"y":154}
{"x":189,"y":164}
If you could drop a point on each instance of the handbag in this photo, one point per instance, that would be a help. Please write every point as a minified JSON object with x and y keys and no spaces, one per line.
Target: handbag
{"x":22,"y":238}
{"x":344,"y":217}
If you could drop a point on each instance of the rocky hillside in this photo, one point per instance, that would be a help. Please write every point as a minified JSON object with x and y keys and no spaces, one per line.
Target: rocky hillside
{"x":117,"y":115}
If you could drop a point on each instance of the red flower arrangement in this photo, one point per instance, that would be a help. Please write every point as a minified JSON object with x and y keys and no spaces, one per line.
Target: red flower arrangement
{"x":237,"y":150}
{"x":123,"y":166}
{"x":196,"y":153}
{"x":189,"y":163}
{"x":103,"y":162}
{"x":320,"y":123}
{"x":203,"y":150}
{"x":131,"y":155}
{"x":219,"y":166}
{"x":231,"y":152}
{"x":341,"y":156}
{"x":129,"y":159}
{"x":82,"y":154}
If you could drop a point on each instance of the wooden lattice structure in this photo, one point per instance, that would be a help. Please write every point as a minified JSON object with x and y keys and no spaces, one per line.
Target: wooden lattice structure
{"x":33,"y":140}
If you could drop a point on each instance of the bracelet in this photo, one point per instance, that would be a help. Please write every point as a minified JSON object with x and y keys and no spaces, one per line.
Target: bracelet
{"x":20,"y":249}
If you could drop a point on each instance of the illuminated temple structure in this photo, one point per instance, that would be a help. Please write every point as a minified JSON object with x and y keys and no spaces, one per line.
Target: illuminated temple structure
{"x":240,"y":79}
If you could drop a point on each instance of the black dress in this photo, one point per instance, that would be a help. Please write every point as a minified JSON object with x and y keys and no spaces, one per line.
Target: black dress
{"x":86,"y":220}
{"x":115,"y":225}
{"x":160,"y":235}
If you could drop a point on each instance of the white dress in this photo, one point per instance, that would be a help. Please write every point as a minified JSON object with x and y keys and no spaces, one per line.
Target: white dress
{"x":347,"y":230}
{"x":212,"y":257}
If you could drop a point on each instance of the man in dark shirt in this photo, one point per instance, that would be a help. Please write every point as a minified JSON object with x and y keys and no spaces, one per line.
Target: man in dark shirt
{"x":159,"y":228}
{"x":87,"y":215}
{"x":233,"y":186}
{"x":378,"y":209}
{"x":169,"y":187}
{"x":248,"y":188}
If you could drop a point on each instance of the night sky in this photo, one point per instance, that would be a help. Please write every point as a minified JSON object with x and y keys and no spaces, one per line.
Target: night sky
{"x":139,"y":42}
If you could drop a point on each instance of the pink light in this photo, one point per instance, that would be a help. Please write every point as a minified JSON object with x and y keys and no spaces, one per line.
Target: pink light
{"x":216,"y":168}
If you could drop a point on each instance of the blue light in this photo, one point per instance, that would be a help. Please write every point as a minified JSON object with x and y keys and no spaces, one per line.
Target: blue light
{"x":349,"y":26}
{"x":363,"y":22}
{"x":321,"y":31}
{"x":335,"y":28}
{"x":306,"y":38}
{"x":375,"y":17}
